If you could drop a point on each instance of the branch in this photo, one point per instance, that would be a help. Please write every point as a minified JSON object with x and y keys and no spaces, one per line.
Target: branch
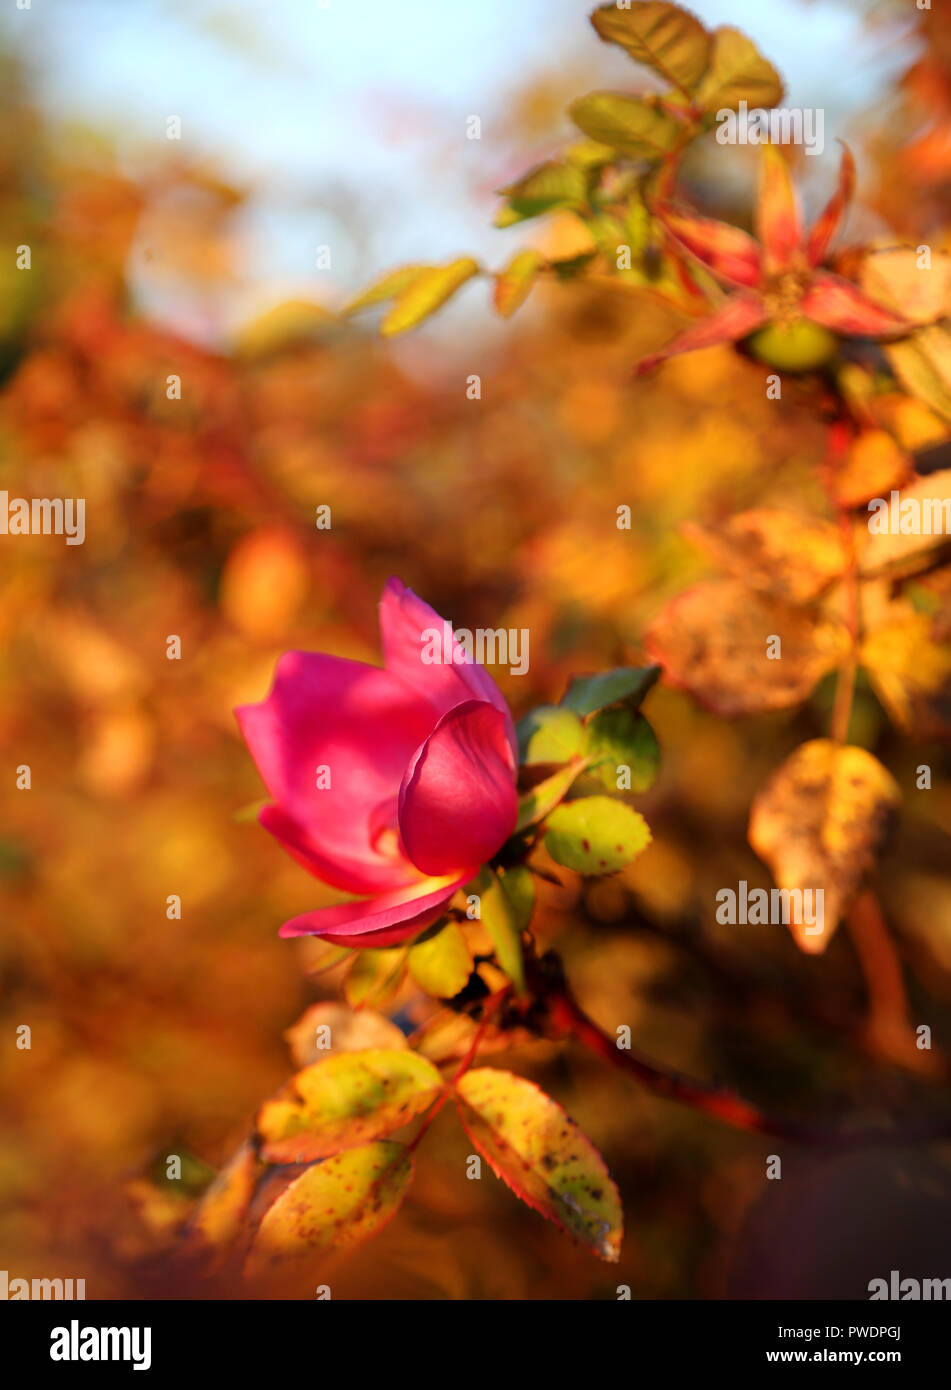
{"x":566,"y":1019}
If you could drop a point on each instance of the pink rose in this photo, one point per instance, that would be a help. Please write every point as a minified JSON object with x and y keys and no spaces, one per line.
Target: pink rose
{"x":422,"y":762}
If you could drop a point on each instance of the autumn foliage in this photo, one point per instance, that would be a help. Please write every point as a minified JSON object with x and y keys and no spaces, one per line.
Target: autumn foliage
{"x":506,"y":952}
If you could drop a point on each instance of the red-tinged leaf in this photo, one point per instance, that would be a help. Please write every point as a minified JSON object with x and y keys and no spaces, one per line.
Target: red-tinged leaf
{"x":820,"y":823}
{"x":329,"y":1028}
{"x":344,"y":1102}
{"x":735,"y":318}
{"x":728,"y":251}
{"x":843,"y":307}
{"x":778,"y":218}
{"x":830,"y":219}
{"x":334,"y":1205}
{"x":661,"y":36}
{"x":542,"y":1155}
{"x":216,"y":1221}
{"x":719,"y":642}
{"x":514,"y":284}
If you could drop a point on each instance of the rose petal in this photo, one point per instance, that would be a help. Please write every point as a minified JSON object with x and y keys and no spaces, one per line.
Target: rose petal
{"x":405,"y":622}
{"x":734,"y":319}
{"x":843,"y":307}
{"x":729,"y":252}
{"x":778,"y":220}
{"x":382,"y":921}
{"x":827,"y":224}
{"x":364,"y":725}
{"x":458,"y":802}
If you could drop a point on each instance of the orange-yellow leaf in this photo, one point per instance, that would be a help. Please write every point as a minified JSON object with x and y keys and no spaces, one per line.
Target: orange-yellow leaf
{"x":662,"y":36}
{"x":514,"y":284}
{"x":333,"y":1205}
{"x":910,"y":671}
{"x":715,"y":642}
{"x":331,"y":1027}
{"x":820,"y":823}
{"x":781,"y":553}
{"x":426,"y":293}
{"x":542,"y":1155}
{"x":217,"y":1219}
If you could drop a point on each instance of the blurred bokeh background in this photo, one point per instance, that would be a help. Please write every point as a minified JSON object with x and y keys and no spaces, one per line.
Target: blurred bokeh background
{"x":344,"y":127}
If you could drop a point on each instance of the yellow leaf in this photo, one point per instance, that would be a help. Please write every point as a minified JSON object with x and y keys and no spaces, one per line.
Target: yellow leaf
{"x":394,"y":283}
{"x":375,"y":976}
{"x":737,"y":72}
{"x":346,"y":1101}
{"x":633,"y":125}
{"x":911,"y":674}
{"x":426,"y":293}
{"x":820,"y":823}
{"x":514,"y":284}
{"x":441,"y":962}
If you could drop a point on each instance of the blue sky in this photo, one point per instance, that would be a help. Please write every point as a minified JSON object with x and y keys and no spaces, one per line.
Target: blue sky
{"x":362,"y":104}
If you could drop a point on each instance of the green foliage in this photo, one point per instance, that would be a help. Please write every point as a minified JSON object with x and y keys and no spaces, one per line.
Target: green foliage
{"x":595,"y":835}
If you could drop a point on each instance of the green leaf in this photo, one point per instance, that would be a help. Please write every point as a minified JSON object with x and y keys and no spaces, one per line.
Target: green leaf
{"x":395,"y":282}
{"x":514,"y":284}
{"x":595,"y":835}
{"x":440,"y":961}
{"x":375,"y":976}
{"x":549,"y":734}
{"x":346,"y":1101}
{"x":634,"y":126}
{"x":426,"y":293}
{"x":498,"y":915}
{"x":333,"y":1205}
{"x":541,"y":1154}
{"x":546,"y":187}
{"x":519,"y":887}
{"x":624,"y":685}
{"x":623,"y":738}
{"x":536,"y":804}
{"x":738,"y":72}
{"x":663,"y":37}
